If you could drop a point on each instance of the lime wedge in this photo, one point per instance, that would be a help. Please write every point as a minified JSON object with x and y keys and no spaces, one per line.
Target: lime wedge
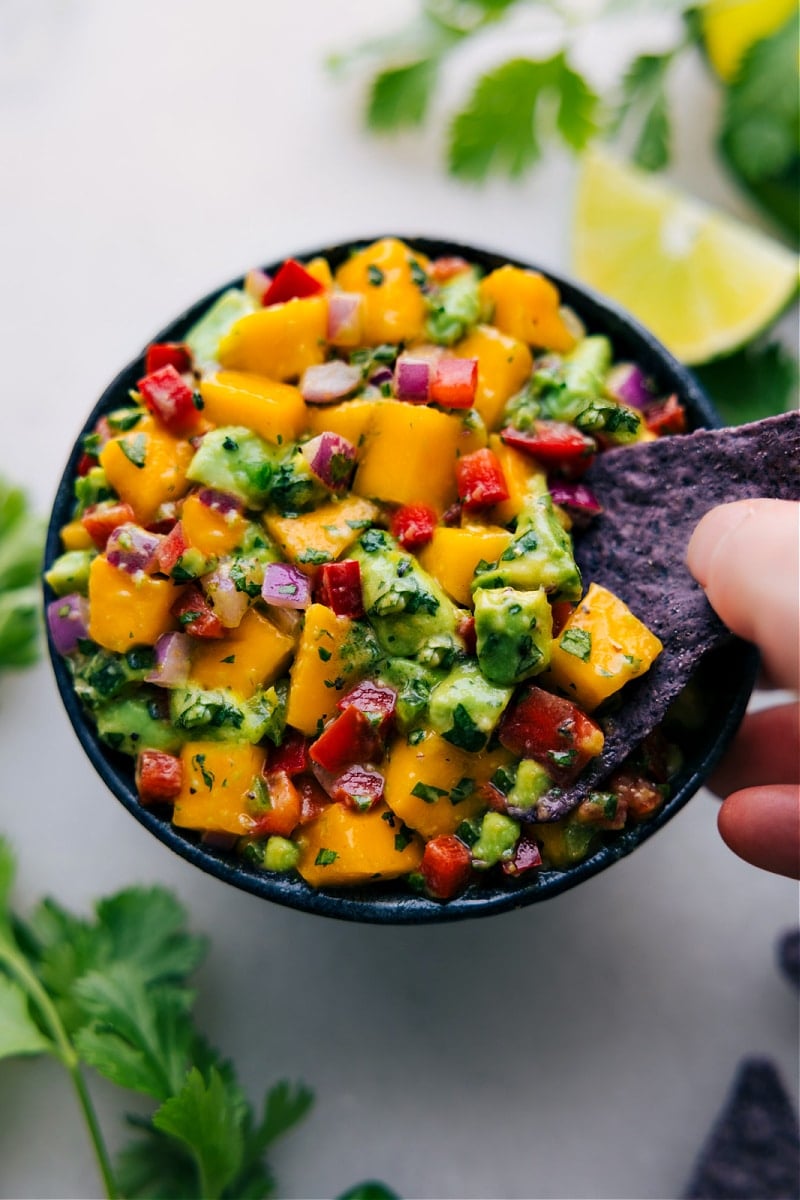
{"x":703,"y":282}
{"x":730,"y":27}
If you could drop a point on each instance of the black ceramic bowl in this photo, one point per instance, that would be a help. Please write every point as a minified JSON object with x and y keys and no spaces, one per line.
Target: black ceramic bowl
{"x":729,"y":676}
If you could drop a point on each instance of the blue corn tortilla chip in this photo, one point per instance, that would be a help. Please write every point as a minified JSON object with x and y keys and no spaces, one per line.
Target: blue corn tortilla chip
{"x":753,"y":1149}
{"x":653,"y":494}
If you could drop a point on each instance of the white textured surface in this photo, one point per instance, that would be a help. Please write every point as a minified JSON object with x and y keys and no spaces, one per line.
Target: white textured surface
{"x":151,"y":150}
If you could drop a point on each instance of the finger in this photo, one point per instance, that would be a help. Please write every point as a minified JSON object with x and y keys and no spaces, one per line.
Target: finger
{"x":746,"y":556}
{"x":762,"y":826}
{"x":765,"y":750}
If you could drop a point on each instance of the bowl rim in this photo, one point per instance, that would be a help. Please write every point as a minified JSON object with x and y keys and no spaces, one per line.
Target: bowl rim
{"x":381,"y":904}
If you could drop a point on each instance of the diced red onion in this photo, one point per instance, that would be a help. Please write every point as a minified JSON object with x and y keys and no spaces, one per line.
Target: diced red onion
{"x":286,"y":586}
{"x":223,"y":502}
{"x":381,"y":376}
{"x":329,"y":382}
{"x":627,"y":384}
{"x":68,"y":621}
{"x":133,"y":549}
{"x":345,"y":318}
{"x":327,"y":780}
{"x":173,"y":652}
{"x":575,"y":496}
{"x":331,"y":457}
{"x":228,"y":602}
{"x":412,"y":378}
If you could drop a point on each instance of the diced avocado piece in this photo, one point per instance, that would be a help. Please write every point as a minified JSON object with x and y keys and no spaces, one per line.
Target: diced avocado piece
{"x":221,"y":715}
{"x":90,"y":489}
{"x":465,"y":708}
{"x":564,"y":843}
{"x":236,"y":460}
{"x":102,"y":676}
{"x":205,"y":335}
{"x":531,"y":783}
{"x":280,"y":854}
{"x":191,"y":565}
{"x":247,"y":566}
{"x":405,"y":605}
{"x":455,"y":307}
{"x":540,"y":556}
{"x":616,"y":422}
{"x":514,"y":630}
{"x":498,"y":837}
{"x":294,"y":487}
{"x":413,"y":683}
{"x":70,"y":572}
{"x":132,"y":724}
{"x":570,"y":386}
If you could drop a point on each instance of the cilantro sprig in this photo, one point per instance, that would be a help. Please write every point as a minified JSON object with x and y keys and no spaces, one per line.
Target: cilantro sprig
{"x":21,"y":546}
{"x":112,"y":993}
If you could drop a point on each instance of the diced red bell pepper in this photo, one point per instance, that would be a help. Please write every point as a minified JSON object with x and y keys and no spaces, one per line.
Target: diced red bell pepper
{"x":561,"y":612}
{"x":641,"y":796}
{"x":313,"y":799}
{"x":285,"y":806}
{"x":169,"y":397}
{"x":102,"y":519}
{"x":527,"y":857}
{"x":291,"y":282}
{"x":350,"y":738}
{"x":480,"y":479}
{"x":168,"y":354}
{"x":447,"y":267}
{"x":413,"y":525}
{"x":376,"y":702}
{"x":292,"y":755}
{"x":196,"y":616}
{"x":667,"y":416}
{"x":358,"y":788}
{"x":552,"y":730}
{"x":492,"y":796}
{"x":555,"y":444}
{"x":340,"y":588}
{"x":446,"y":866}
{"x":454,"y":382}
{"x":159,"y":776}
{"x":174,"y":545}
{"x":85,"y":464}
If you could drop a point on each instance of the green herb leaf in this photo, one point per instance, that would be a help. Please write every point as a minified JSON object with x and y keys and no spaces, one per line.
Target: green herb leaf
{"x":759,"y":381}
{"x":427,"y":792}
{"x":500,"y":128}
{"x":644,"y":102}
{"x":577,"y":642}
{"x":325,"y":857}
{"x":19,"y":1033}
{"x":761,"y":118}
{"x":154,"y":1166}
{"x":208,"y":1119}
{"x":134,"y":449}
{"x":371,"y":1189}
{"x":400,"y":96}
{"x":284,"y":1105}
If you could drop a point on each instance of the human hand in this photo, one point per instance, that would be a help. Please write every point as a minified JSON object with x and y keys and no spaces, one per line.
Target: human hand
{"x":746,"y":556}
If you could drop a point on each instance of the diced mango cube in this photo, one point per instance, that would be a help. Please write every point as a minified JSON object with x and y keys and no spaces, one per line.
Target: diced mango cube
{"x":342,"y":847}
{"x":322,"y":535}
{"x":600,"y":648}
{"x":217,"y":793}
{"x":275,"y":411}
{"x":432,"y":786}
{"x":351,"y":420}
{"x":279,"y":341}
{"x":249,"y":657}
{"x":212,"y":532}
{"x":394,"y":306}
{"x":75,"y":536}
{"x":147,"y":467}
{"x":526,"y":306}
{"x":504,"y":365}
{"x":322,"y":669}
{"x":127,"y":610}
{"x":453,"y":554}
{"x":320,"y":269}
{"x":409,"y":456}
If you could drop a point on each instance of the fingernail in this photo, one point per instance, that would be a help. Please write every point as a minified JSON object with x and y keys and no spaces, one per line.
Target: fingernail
{"x":718,"y":524}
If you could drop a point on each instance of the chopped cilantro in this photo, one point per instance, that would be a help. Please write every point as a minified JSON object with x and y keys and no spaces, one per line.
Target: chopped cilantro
{"x":577,"y":642}
{"x":464,"y":733}
{"x":135,"y":449}
{"x":427,"y":792}
{"x":462,"y":790}
{"x":199,"y":761}
{"x":374,"y":275}
{"x":324,"y":654}
{"x":325,"y":858}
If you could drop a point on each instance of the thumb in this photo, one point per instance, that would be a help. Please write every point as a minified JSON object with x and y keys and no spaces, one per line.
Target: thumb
{"x":746,"y":556}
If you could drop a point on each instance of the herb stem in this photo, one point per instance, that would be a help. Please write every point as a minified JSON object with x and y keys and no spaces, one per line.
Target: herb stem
{"x":66,"y":1052}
